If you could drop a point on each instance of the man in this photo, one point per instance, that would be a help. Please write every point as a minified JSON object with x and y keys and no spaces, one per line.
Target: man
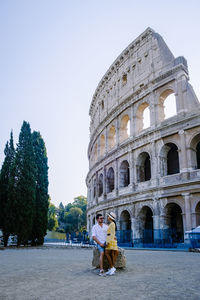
{"x":99,"y":234}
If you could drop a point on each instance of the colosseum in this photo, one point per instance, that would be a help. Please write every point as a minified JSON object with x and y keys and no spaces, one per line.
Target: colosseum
{"x":144,"y":149}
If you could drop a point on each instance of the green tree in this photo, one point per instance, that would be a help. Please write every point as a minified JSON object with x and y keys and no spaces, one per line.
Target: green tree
{"x":6,"y":211}
{"x":41,"y":204}
{"x":25,"y":186}
{"x":72,"y":219}
{"x":52,"y":220}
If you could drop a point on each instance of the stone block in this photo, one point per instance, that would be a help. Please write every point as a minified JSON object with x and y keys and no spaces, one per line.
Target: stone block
{"x":120,"y":263}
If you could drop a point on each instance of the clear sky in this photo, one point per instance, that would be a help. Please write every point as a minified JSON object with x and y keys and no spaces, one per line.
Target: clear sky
{"x":53,"y":53}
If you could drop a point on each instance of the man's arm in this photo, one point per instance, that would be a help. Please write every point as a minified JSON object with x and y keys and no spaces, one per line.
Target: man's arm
{"x":97,"y":241}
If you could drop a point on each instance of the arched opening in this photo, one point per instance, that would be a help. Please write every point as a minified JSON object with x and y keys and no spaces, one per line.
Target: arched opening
{"x":169,"y":160}
{"x":125,"y":233}
{"x":143,"y":116}
{"x":146,"y":225}
{"x":143,"y":167}
{"x":102,"y":145}
{"x":172,"y":159}
{"x":100,"y":185}
{"x":195,"y":152}
{"x":110,"y":180}
{"x":197,"y":211}
{"x":174,"y":222}
{"x":167,"y":105}
{"x":93,"y":221}
{"x":124,"y":179}
{"x":124,"y":131}
{"x":198,"y":155}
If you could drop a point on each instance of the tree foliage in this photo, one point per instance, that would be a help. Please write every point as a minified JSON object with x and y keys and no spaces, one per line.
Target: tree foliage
{"x":6,"y":177}
{"x":41,"y":205}
{"x":52,"y":220}
{"x":24,"y":188}
{"x":74,"y":215}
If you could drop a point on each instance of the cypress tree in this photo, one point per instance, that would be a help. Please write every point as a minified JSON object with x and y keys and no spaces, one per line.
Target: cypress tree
{"x":41,"y":216}
{"x":24,"y":201}
{"x":6,"y":176}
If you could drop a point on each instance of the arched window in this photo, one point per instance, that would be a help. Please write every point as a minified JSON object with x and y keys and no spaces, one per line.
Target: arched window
{"x":146,"y":225}
{"x":124,"y":131}
{"x":172,"y":159}
{"x":124,"y":174}
{"x":169,"y":160}
{"x":102,"y":145}
{"x":110,"y":180}
{"x":174,"y":222}
{"x":111,"y":137}
{"x":167,"y":105}
{"x":100,"y":185}
{"x":143,"y":167}
{"x":143,"y":116}
{"x":125,"y":233}
{"x":195,"y":152}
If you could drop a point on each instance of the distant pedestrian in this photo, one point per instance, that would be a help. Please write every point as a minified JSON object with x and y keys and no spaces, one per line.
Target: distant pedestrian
{"x":99,"y":234}
{"x":111,"y":244}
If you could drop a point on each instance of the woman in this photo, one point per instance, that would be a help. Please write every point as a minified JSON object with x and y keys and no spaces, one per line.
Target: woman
{"x":111,"y":244}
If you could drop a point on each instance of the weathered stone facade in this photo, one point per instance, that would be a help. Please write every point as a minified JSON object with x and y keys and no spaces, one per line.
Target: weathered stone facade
{"x":147,"y":173}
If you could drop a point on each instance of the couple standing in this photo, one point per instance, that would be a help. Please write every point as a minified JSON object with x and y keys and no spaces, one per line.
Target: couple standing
{"x":104,"y":236}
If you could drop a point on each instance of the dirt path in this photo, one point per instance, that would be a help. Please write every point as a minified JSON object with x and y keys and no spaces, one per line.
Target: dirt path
{"x":53,"y":273}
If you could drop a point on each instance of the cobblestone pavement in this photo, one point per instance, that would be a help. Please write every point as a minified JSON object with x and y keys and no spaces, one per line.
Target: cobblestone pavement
{"x":58,"y":273}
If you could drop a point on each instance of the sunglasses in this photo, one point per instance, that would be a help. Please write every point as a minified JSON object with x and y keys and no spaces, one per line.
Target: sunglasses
{"x":101,"y":218}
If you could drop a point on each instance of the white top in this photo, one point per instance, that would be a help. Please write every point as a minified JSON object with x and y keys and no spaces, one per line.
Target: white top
{"x":100,"y":232}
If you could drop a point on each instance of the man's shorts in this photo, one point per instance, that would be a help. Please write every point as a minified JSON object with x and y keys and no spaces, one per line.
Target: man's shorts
{"x":101,"y":249}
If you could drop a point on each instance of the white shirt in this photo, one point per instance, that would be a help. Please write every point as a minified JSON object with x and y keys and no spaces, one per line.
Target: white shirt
{"x":100,"y":232}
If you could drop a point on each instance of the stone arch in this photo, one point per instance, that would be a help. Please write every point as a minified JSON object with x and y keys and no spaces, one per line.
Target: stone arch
{"x":143,"y":119}
{"x":100,"y":183}
{"x":124,"y":130}
{"x":195,"y":151}
{"x":174,"y":222}
{"x":166,"y":104}
{"x":125,"y":227}
{"x":124,"y":174}
{"x":110,"y":180}
{"x":102,"y":145}
{"x":146,"y":224}
{"x":169,"y":159}
{"x":143,"y":167}
{"x":197,"y":212}
{"x":111,"y":137}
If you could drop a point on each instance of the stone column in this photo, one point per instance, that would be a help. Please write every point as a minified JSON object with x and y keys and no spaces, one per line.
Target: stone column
{"x":106,"y":140}
{"x":117,"y":133}
{"x":183,"y":153}
{"x":104,"y":183}
{"x":188,"y":221}
{"x":154,"y":164}
{"x":97,"y":188}
{"x":130,"y":156}
{"x":135,"y":231}
{"x":116,"y":178}
{"x":132,"y":121}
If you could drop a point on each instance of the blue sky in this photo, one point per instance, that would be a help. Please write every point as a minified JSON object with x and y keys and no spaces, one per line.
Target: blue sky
{"x":54,"y":53}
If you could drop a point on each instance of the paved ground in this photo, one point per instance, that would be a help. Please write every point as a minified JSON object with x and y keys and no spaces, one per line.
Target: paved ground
{"x":57,"y":273}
